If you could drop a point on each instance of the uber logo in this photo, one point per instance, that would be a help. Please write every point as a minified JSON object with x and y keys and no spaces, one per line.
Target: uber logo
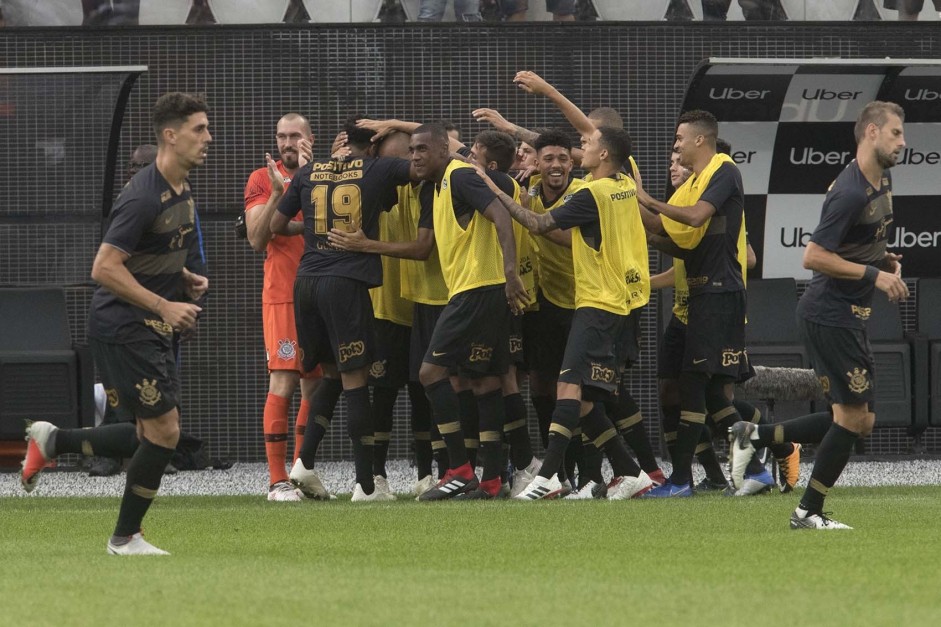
{"x":826,"y":94}
{"x":742,"y":156}
{"x":910,"y":156}
{"x":812,"y":156}
{"x":922,"y":94}
{"x":730,"y":93}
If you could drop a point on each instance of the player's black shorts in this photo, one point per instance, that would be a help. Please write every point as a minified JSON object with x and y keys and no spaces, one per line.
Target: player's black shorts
{"x":843,"y":361}
{"x":472,"y":334}
{"x":140,"y":378}
{"x":516,"y":345}
{"x":715,"y":335}
{"x":591,"y":353}
{"x":334,"y":321}
{"x":545,"y":332}
{"x":672,"y":346}
{"x":390,"y":364}
{"x":424,"y":319}
{"x":628,"y":346}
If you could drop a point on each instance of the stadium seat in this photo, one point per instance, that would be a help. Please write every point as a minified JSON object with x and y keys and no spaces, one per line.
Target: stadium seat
{"x":929,"y":325}
{"x":536,"y":13}
{"x":170,"y":12}
{"x":895,"y":356}
{"x":771,"y":334}
{"x":42,"y":374}
{"x":250,"y":11}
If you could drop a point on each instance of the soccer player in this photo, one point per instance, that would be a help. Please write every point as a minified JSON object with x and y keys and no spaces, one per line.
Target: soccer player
{"x":607,"y":243}
{"x":139,"y":304}
{"x":332,"y":309}
{"x":714,"y":350}
{"x":847,"y":253}
{"x":478,"y":260}
{"x":263,"y":192}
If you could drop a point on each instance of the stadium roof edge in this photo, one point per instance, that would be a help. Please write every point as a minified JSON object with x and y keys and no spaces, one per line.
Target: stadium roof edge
{"x":73,"y":70}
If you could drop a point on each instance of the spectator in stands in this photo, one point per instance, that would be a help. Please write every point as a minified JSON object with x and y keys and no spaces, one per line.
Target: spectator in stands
{"x":110,"y":12}
{"x":910,"y":9}
{"x":464,"y":10}
{"x":515,"y":10}
{"x":752,"y":9}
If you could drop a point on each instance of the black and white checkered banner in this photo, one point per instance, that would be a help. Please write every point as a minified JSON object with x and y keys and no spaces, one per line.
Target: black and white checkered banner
{"x":790,"y":123}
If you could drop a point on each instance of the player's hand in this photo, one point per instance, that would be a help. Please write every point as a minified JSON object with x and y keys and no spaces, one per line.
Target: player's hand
{"x":893,"y":285}
{"x":305,"y":152}
{"x":339,"y":142}
{"x":494,"y":119}
{"x":342,"y":153}
{"x":516,"y":295}
{"x":274,"y":175}
{"x":642,"y":196}
{"x":195,"y":285}
{"x":894,"y":263}
{"x":525,"y":173}
{"x":532,"y":83}
{"x":180,"y":316}
{"x":354,"y":242}
{"x":381,"y":127}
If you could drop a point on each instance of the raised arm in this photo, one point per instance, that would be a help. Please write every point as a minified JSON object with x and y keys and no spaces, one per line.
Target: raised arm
{"x":532,"y":83}
{"x":497,"y":121}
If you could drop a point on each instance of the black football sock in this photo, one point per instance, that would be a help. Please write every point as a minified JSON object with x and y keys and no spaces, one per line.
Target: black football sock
{"x":809,"y":429}
{"x":470,"y":423}
{"x":603,"y":434}
{"x":692,"y":419}
{"x":564,"y":421}
{"x":143,"y":480}
{"x":445,"y":409}
{"x":361,"y":431}
{"x":706,"y":455}
{"x":383,"y":404}
{"x":116,"y":440}
{"x":544,"y":406}
{"x":492,"y":414}
{"x":421,"y":428}
{"x":832,"y":455}
{"x":589,"y":468}
{"x":515,"y":431}
{"x":625,"y":413}
{"x":439,"y":451}
{"x":670,"y":422}
{"x":322,"y":405}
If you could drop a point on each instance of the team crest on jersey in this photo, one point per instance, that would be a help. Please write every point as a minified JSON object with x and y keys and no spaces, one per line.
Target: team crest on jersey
{"x":480,"y":352}
{"x":862,"y":313}
{"x":164,"y":197}
{"x":567,"y":198}
{"x":600,"y":373}
{"x":859,"y":381}
{"x":731,"y":358}
{"x":825,"y":383}
{"x":353,"y":349}
{"x":444,"y":183}
{"x":149,"y":394}
{"x":378,"y":369}
{"x":112,"y":397}
{"x":287,"y":349}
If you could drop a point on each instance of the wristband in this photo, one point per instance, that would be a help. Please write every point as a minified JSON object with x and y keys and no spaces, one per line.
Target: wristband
{"x":871,"y":273}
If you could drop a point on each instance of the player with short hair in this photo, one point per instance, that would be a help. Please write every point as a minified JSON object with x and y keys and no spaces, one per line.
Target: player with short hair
{"x":848,"y":255}
{"x":332,"y":309}
{"x":707,"y":220}
{"x":478,"y":261}
{"x":141,"y":301}
{"x":608,"y":244}
{"x":263,"y":192}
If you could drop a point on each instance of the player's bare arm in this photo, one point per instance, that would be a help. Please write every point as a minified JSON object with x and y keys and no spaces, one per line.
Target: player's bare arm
{"x":384,"y":127}
{"x":109,"y":271}
{"x":664,"y":244}
{"x":258,"y":217}
{"x":516,"y":295}
{"x":662,"y":280}
{"x":537,"y":223}
{"x":532,"y":83}
{"x":819,"y":259}
{"x":694,"y":216}
{"x":497,"y":121}
{"x":419,"y":248}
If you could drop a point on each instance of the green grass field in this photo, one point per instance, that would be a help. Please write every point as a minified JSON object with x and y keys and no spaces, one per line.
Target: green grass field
{"x":710,"y":560}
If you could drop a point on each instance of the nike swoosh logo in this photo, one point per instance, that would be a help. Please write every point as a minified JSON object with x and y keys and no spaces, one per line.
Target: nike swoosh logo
{"x":699,"y":361}
{"x":168,"y":220}
{"x":436,"y":354}
{"x":566,"y":370}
